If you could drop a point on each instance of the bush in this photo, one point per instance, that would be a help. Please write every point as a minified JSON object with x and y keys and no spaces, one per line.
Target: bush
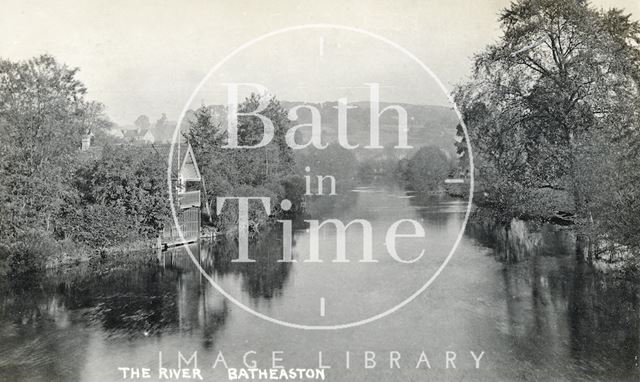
{"x":101,"y":226}
{"x":427,"y":169}
{"x":29,"y":254}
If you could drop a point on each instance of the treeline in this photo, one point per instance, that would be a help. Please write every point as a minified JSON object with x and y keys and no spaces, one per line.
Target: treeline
{"x":59,"y":202}
{"x":267,"y":171}
{"x":426,"y":170}
{"x":553,"y":112}
{"x":423,"y":171}
{"x":54,"y":200}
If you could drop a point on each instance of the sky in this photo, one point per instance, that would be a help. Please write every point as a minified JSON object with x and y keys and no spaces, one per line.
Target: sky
{"x":148,"y":56}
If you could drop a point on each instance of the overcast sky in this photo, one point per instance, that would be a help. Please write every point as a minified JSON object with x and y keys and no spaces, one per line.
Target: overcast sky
{"x":146,"y":57}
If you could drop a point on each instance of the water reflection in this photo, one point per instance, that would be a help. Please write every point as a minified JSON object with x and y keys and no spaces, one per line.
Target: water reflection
{"x":521,"y":240}
{"x":560,"y":309}
{"x":519,"y":294}
{"x":49,"y":324}
{"x":262,"y":279}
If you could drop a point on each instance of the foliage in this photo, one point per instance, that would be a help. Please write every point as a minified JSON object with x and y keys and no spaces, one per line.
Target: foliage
{"x":43,"y":116}
{"x":379,"y":167}
{"x":29,"y":254}
{"x":334,"y":160}
{"x":427,"y":169}
{"x":48,"y":189}
{"x":128,"y":185}
{"x":101,"y":136}
{"x":555,"y":104}
{"x":161,"y":122}
{"x":264,"y":171}
{"x":611,"y":171}
{"x":142,"y":122}
{"x":99,"y":225}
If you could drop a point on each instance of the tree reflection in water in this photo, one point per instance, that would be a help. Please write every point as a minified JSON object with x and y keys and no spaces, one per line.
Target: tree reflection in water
{"x":49,"y":316}
{"x":541,"y":316}
{"x":266,"y":277}
{"x":550,"y":297}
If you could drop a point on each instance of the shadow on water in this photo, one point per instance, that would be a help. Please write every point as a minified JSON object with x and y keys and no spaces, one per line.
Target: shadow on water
{"x":521,"y":240}
{"x":436,"y":210}
{"x":558,"y":308}
{"x":46,"y":319}
{"x":265,"y":278}
{"x":546,"y":315}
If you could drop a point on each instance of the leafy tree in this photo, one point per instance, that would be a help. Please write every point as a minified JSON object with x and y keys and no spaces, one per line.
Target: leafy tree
{"x":142,"y":122}
{"x":335,"y":160}
{"x":127,"y":185}
{"x":205,"y":137}
{"x":278,"y":156}
{"x":43,"y":117}
{"x":101,"y":136}
{"x":162,"y":122}
{"x":427,"y":169}
{"x":263,"y":171}
{"x":562,"y":74}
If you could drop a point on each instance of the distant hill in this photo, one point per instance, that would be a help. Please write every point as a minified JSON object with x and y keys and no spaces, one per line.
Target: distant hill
{"x":428,"y":124}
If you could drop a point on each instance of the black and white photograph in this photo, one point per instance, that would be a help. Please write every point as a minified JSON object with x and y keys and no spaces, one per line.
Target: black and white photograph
{"x":294,"y":190}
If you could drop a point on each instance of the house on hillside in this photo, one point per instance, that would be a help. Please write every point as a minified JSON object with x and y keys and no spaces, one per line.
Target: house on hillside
{"x":138,"y":136}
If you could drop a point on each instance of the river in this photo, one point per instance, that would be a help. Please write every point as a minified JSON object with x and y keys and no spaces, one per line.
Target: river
{"x":520,"y":298}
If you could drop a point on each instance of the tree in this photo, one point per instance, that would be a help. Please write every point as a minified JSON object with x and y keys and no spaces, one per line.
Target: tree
{"x":562,"y":74}
{"x":43,"y":117}
{"x":205,"y":137}
{"x":427,"y":169}
{"x":161,"y":122}
{"x":278,"y":156}
{"x":126,"y":182}
{"x":262,"y":171}
{"x":142,"y":122}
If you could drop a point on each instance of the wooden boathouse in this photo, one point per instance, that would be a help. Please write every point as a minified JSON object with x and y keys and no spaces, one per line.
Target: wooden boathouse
{"x":186,"y":183}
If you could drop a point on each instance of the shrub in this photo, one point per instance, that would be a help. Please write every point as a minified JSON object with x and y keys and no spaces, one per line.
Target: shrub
{"x":101,"y":226}
{"x":29,"y":254}
{"x":427,"y":169}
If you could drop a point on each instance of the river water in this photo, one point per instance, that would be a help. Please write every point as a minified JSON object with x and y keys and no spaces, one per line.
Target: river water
{"x":518,"y":296}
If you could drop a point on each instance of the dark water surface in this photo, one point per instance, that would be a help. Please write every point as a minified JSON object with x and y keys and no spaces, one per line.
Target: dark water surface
{"x":520,"y":298}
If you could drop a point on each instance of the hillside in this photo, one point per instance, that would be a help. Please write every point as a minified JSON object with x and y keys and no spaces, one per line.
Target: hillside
{"x":428,"y":125}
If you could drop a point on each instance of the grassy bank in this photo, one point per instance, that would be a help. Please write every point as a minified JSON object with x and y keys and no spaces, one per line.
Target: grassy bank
{"x":37,"y":253}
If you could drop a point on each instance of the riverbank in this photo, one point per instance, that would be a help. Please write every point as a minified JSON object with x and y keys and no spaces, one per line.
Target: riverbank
{"x":606,"y":257}
{"x":541,"y":204}
{"x":41,"y":253}
{"x":511,"y":303}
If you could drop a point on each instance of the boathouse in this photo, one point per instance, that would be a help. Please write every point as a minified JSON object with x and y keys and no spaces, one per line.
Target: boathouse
{"x":186,"y":183}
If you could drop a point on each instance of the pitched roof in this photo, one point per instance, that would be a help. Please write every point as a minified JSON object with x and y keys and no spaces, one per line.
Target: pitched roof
{"x":134,"y":133}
